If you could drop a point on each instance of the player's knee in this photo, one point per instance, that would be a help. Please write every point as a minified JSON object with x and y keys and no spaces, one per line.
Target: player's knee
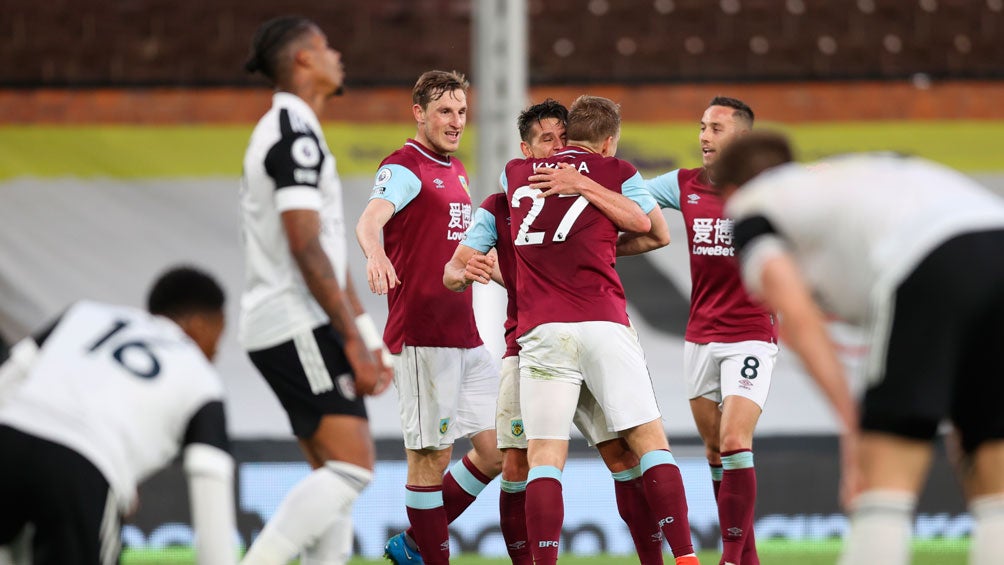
{"x":487,"y":457}
{"x":617,"y":455}
{"x":515,"y":465}
{"x":734,"y":441}
{"x":428,"y":464}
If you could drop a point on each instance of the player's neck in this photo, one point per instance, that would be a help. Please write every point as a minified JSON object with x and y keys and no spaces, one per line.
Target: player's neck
{"x":584,"y":145}
{"x":312,"y":96}
{"x":705,"y":176}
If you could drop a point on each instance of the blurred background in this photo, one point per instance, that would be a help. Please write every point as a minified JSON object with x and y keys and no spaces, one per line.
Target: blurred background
{"x":123,"y":125}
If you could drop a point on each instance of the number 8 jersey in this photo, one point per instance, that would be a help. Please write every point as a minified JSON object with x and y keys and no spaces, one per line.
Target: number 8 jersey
{"x":120,"y":386}
{"x":566,"y":248}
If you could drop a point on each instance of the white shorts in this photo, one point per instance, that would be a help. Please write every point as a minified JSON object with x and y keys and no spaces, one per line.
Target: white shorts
{"x":589,"y":417}
{"x":444,"y":393}
{"x":556,"y":359}
{"x":716,"y":370}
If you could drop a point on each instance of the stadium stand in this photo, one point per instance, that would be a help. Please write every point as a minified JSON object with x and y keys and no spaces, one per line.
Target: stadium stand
{"x":389,"y":42}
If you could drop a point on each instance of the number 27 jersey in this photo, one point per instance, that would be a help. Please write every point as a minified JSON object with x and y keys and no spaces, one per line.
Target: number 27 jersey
{"x":566,"y":248}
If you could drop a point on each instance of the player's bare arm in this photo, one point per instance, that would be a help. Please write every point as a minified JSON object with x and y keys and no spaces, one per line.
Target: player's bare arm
{"x":803,"y":329}
{"x":468,"y":266}
{"x":565,"y":179}
{"x":630,"y":243}
{"x":380,"y":271}
{"x":303,"y":232}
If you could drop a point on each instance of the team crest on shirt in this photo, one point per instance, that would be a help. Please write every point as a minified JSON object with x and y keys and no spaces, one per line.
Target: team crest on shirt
{"x":516,"y":427}
{"x":463,"y":183}
{"x":444,"y":425}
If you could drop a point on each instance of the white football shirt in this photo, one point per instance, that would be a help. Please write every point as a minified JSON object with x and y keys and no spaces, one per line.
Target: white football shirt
{"x":287,"y":166}
{"x":857,"y":225}
{"x":123,"y":388}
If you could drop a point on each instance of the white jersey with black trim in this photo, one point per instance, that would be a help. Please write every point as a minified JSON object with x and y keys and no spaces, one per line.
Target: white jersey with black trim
{"x":287,"y":166}
{"x":123,"y":388}
{"x":857,"y":225}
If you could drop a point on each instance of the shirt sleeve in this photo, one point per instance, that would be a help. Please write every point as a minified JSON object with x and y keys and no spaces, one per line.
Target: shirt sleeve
{"x":481,"y":235}
{"x":209,"y":426}
{"x":396,"y":184}
{"x":756,"y":241}
{"x":634,"y":188}
{"x":294,"y":163}
{"x":503,"y":182}
{"x":665,"y":189}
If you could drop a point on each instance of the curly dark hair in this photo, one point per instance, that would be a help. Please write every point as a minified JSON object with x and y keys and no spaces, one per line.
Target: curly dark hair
{"x":549,"y":108}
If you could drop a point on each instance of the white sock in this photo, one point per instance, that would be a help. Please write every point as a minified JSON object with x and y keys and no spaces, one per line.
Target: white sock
{"x":334,"y":547}
{"x":988,"y":531}
{"x":881,"y":525}
{"x":307,"y":512}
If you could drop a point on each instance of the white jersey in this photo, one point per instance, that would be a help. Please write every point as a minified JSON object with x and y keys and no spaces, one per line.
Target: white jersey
{"x":857,"y":225}
{"x":287,"y":166}
{"x":123,"y":388}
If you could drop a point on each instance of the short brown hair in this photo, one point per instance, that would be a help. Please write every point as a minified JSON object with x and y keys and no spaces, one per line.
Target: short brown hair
{"x":593,"y":119}
{"x":433,"y":84}
{"x":749,"y":155}
{"x":740,"y":110}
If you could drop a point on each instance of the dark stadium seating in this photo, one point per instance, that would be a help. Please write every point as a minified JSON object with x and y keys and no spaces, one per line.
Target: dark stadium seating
{"x":165,"y":42}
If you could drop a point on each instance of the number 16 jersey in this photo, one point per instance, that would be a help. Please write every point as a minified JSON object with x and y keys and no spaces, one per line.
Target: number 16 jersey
{"x":565,"y":247}
{"x":121,"y":387}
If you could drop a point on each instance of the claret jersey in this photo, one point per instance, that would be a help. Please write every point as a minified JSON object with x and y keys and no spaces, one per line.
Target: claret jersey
{"x":287,"y":166}
{"x":720,"y":308}
{"x":432,"y":210}
{"x":123,"y":388}
{"x":565,"y":247}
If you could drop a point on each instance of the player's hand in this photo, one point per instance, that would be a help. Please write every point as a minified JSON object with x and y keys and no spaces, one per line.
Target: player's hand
{"x":479,"y":269}
{"x":372,"y":375}
{"x":380,"y":273}
{"x":563,"y":179}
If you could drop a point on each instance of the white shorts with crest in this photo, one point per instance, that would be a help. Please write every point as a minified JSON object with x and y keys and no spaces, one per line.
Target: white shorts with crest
{"x":444,"y":393}
{"x":556,"y":359}
{"x":589,"y":417}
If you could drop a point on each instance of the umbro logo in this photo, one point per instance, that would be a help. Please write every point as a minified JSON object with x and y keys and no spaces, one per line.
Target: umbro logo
{"x":517,"y":544}
{"x":438,"y":182}
{"x":693,"y":198}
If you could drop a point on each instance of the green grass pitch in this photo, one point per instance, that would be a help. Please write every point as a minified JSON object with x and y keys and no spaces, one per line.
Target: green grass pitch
{"x":951,"y":552}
